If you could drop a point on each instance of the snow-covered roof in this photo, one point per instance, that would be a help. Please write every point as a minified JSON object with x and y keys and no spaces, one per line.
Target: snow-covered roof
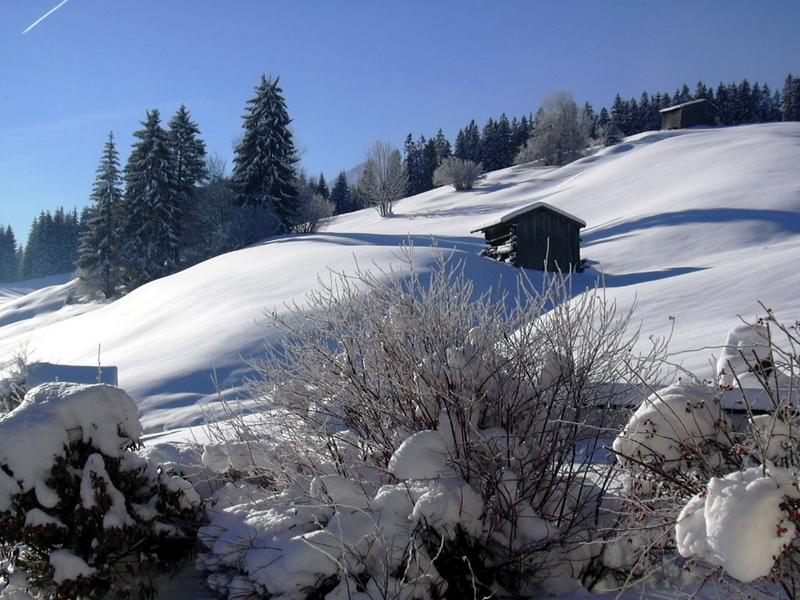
{"x":527,"y":208}
{"x":691,"y":102}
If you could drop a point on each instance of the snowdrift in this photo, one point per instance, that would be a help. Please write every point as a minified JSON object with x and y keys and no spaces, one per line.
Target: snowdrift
{"x":695,"y":226}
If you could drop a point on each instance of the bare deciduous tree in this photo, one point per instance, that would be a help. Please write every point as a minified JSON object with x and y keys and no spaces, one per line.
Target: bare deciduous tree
{"x":384,"y":179}
{"x":558,"y":137}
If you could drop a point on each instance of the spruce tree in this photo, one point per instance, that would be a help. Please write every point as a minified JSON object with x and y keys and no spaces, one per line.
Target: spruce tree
{"x":264,"y":165}
{"x":791,"y":99}
{"x":490,"y":147}
{"x":340,"y":195}
{"x":99,"y":257}
{"x":443,"y":148}
{"x":151,"y":207}
{"x":520,"y":132}
{"x":8,"y":254}
{"x":468,"y":143}
{"x":413,"y":162}
{"x":189,"y":160}
{"x":322,"y":187}
{"x":428,"y":164}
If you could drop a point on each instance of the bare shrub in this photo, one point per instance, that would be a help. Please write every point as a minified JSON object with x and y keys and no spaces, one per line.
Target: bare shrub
{"x":509,"y":397}
{"x":313,"y":211}
{"x":14,"y":386}
{"x":461,"y":174}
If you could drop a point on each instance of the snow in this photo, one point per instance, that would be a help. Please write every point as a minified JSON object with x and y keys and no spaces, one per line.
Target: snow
{"x":747,"y":346}
{"x":39,"y":430}
{"x":68,"y":566}
{"x":421,"y":456}
{"x":776,"y":437}
{"x":94,"y":471}
{"x":670,"y":420}
{"x":693,"y":224}
{"x":38,"y":518}
{"x":738,"y":523}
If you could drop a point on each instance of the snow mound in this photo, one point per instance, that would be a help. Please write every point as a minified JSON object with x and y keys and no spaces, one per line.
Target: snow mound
{"x":670,"y":422}
{"x":69,"y":566}
{"x":738,"y":522}
{"x":49,"y":418}
{"x":421,"y":456}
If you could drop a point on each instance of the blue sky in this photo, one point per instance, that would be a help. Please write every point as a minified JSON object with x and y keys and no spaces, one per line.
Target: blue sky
{"x":352,"y":72}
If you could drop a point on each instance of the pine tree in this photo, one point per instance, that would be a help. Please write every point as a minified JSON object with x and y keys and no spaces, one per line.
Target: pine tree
{"x":340,"y":195}
{"x":443,"y":148}
{"x":490,"y":148}
{"x":264,"y":165}
{"x":151,"y":207}
{"x":791,"y":99}
{"x":322,"y":187}
{"x":468,"y":143}
{"x":8,"y":254}
{"x":428,"y":163}
{"x":619,"y":114}
{"x":189,"y":163}
{"x":520,"y":132}
{"x":414,"y":164}
{"x":99,"y":257}
{"x":744,"y":103}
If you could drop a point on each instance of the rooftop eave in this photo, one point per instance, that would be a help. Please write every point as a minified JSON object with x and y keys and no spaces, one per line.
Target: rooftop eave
{"x":528,"y":208}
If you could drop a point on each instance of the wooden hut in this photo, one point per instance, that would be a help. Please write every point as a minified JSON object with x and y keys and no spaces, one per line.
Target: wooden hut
{"x":538,"y":236}
{"x":689,"y":114}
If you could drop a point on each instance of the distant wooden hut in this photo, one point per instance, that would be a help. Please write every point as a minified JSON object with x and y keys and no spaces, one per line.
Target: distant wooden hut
{"x":689,"y":114}
{"x":538,"y":236}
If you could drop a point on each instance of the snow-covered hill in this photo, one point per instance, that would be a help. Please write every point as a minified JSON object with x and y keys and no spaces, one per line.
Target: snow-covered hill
{"x":697,"y":225}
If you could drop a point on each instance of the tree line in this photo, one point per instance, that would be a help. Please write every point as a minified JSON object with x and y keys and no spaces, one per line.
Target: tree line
{"x":173,"y":205}
{"x":51,"y":248}
{"x":501,"y":142}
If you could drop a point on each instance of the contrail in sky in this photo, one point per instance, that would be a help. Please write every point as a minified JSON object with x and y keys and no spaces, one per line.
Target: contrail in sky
{"x":44,"y":16}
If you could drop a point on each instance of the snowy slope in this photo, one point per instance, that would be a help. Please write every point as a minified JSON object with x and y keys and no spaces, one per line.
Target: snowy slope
{"x":696,"y":224}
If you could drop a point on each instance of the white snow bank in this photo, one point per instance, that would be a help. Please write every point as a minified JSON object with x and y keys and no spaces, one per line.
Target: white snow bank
{"x":738,"y":523}
{"x":49,"y":418}
{"x":668,"y":423}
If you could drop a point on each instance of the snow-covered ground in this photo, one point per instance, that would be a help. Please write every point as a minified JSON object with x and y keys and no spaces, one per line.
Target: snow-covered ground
{"x":697,"y":225}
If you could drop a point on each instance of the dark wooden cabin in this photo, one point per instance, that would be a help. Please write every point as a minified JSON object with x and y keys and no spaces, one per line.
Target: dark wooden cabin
{"x":538,"y":236}
{"x":689,"y":114}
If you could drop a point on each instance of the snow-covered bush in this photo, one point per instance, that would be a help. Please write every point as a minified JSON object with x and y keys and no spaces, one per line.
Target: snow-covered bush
{"x":421,"y":440}
{"x":701,"y":486}
{"x":461,"y":174}
{"x":82,"y":515}
{"x":673,"y":429}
